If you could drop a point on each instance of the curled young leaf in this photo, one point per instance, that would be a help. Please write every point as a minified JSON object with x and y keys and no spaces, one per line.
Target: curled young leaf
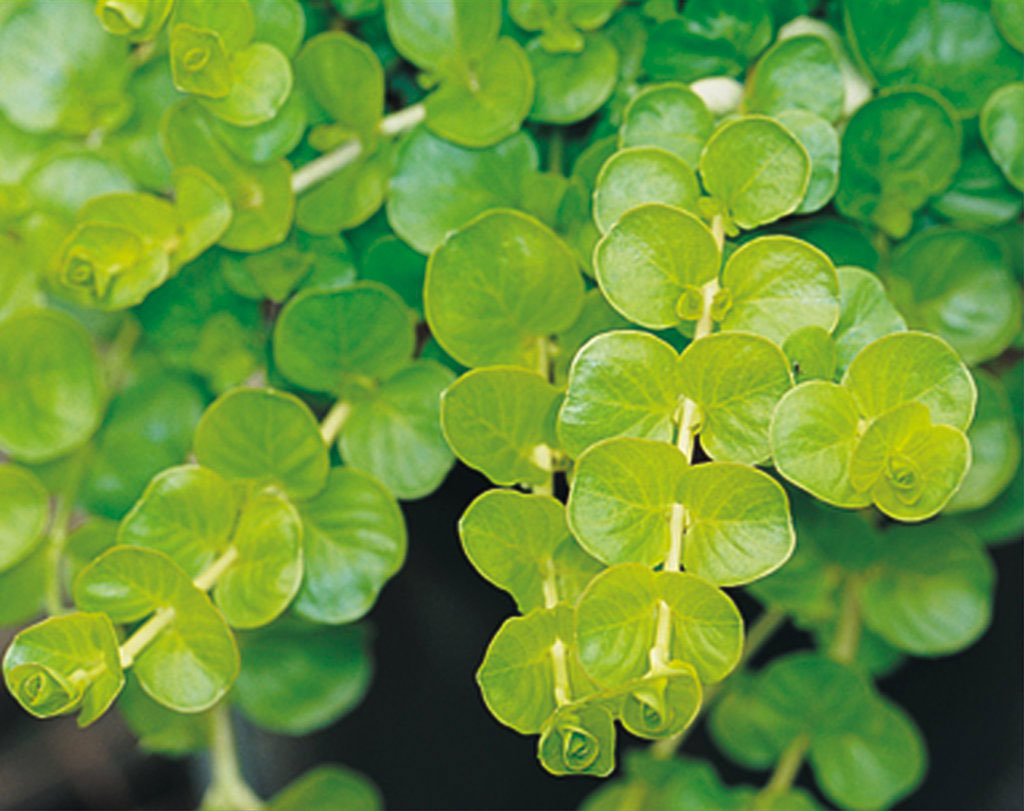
{"x":578,"y":740}
{"x":64,"y":664}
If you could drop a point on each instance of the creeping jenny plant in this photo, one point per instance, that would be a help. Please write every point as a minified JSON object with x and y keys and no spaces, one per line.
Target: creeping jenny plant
{"x":720,"y":294}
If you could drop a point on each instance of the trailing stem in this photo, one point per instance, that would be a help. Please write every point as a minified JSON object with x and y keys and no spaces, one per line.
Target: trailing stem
{"x":227,"y":788}
{"x":844,"y":650}
{"x":319,"y":169}
{"x":334,"y":420}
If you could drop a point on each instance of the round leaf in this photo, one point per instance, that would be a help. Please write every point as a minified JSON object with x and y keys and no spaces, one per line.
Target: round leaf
{"x":328,"y":340}
{"x":353,"y":542}
{"x":931,"y":593}
{"x":821,"y":141}
{"x":324,"y":788}
{"x":621,"y":383}
{"x":757,"y":169}
{"x":52,"y":384}
{"x":651,"y":257}
{"x":192,"y":662}
{"x":736,"y":523}
{"x":898,"y":150}
{"x":736,"y":379}
{"x":865,"y":314}
{"x":521,"y":543}
{"x":571,"y":86}
{"x":799,"y":73}
{"x":670,"y":116}
{"x":261,"y":80}
{"x":263,"y":436}
{"x":778,"y":285}
{"x":622,"y":499}
{"x":297,"y":677}
{"x":496,"y":289}
{"x":24,"y":514}
{"x":394,"y":432}
{"x":433,"y":35}
{"x":617,"y":617}
{"x":639,"y":175}
{"x":814,"y":431}
{"x":498,"y":419}
{"x":908,"y":366}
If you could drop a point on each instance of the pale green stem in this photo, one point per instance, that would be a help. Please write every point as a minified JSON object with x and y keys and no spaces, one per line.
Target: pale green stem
{"x":760,"y":632}
{"x":58,"y":535}
{"x":333,"y":422}
{"x":844,"y":649}
{"x":120,"y":351}
{"x":542,"y":453}
{"x":162,"y":617}
{"x":848,"y":626}
{"x":307,"y":176}
{"x":784,"y":774}
{"x":228,"y":789}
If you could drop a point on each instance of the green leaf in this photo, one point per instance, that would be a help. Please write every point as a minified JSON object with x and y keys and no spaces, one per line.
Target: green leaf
{"x":148,"y":427}
{"x":813,"y":434}
{"x":332,"y":340}
{"x":651,"y":258}
{"x":186,"y":512}
{"x":622,"y":500}
{"x":52,"y":384}
{"x":24,"y":586}
{"x":909,"y":366}
{"x":674,"y":52}
{"x":670,"y":116}
{"x":353,"y":542}
{"x":995,"y":447}
{"x":1009,"y":19}
{"x":64,"y":664}
{"x":957,"y":285}
{"x":264,"y":437}
{"x":745,"y":24}
{"x":343,"y":76}
{"x":736,"y":379}
{"x":391,"y":262}
{"x":438,"y":187}
{"x":898,"y":150}
{"x":271,"y":140}
{"x":617,"y":618}
{"x":193,"y":660}
{"x":55,"y":82}
{"x":517,"y":676}
{"x":596,"y":317}
{"x":139,"y":21}
{"x":159,"y":729}
{"x":521,"y":543}
{"x":736,"y":523}
{"x":560,"y":23}
{"x":326,"y":788}
{"x":578,"y":740}
{"x":444,"y":34}
{"x":282,"y":23}
{"x":778,"y":285}
{"x":953,"y":47}
{"x":622,"y":383}
{"x":1002,"y":128}
{"x":200,"y":63}
{"x":757,"y":169}
{"x":235,"y":22}
{"x":865,"y":314}
{"x":930,"y":593}
{"x":266,"y":574}
{"x":882,"y":759}
{"x":24,"y":514}
{"x":799,"y":73}
{"x":639,"y":175}
{"x":812,"y":353}
{"x":202,"y":211}
{"x":347,"y":198}
{"x":499,"y":420}
{"x":261,"y":196}
{"x":572,"y":86}
{"x":910,"y":467}
{"x":487,"y":102}
{"x":394,"y":431}
{"x":297,"y":678}
{"x":496,"y":289}
{"x":846,"y":242}
{"x":261,"y":83}
{"x":821,"y":141}
{"x":657,"y":707}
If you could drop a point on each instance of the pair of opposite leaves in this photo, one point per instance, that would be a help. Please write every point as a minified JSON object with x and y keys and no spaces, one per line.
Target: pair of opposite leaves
{"x":189,"y":516}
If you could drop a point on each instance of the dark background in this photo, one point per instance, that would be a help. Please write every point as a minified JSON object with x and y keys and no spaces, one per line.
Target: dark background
{"x":423,"y":735}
